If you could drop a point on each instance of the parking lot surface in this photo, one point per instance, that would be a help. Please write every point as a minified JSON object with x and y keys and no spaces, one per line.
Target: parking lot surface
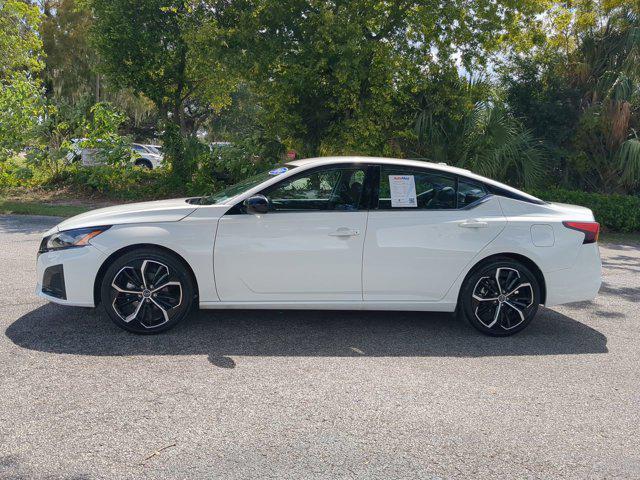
{"x":311,"y":394}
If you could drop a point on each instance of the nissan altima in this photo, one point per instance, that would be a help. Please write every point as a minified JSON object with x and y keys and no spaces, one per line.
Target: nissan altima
{"x":329,"y":233}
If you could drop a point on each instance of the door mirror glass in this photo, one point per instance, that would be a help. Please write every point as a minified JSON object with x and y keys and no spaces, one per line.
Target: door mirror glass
{"x":257,"y":205}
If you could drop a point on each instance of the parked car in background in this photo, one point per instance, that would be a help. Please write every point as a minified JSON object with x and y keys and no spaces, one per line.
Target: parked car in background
{"x":147,"y":156}
{"x":333,"y":233}
{"x":156,"y":149}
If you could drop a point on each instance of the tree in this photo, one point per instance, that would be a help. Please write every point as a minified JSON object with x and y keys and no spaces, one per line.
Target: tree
{"x":21,"y":101}
{"x":469,"y":125}
{"x":20,"y":45}
{"x":71,"y":74}
{"x":145,"y":45}
{"x":331,"y":75}
{"x":580,"y":93}
{"x":21,"y":108}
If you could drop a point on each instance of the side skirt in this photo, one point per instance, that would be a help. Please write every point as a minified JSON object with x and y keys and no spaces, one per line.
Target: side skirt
{"x":392,"y":306}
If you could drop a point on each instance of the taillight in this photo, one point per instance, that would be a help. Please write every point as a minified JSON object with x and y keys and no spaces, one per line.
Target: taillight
{"x":591,"y":230}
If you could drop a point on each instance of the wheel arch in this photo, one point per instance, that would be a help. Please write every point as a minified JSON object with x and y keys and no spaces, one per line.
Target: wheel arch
{"x":130,"y":248}
{"x":144,"y":162}
{"x":526,"y":261}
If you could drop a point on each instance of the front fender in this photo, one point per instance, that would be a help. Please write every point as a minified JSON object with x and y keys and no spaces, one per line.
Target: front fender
{"x":191,"y":239}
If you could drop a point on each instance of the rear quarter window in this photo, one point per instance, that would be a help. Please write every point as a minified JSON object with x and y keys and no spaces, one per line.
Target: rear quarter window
{"x":469,"y":192}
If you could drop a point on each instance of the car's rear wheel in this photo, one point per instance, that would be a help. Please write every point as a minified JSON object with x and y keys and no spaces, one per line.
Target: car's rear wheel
{"x":147,"y":291}
{"x":500,"y":298}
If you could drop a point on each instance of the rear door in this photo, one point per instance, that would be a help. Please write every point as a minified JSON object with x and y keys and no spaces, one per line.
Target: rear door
{"x":308,"y":247}
{"x":422,"y":231}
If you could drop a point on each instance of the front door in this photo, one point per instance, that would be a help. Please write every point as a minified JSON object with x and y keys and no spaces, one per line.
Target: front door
{"x":425,"y":228}
{"x":307,"y":248}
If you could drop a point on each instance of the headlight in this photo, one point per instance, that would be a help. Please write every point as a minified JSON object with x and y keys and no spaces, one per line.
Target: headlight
{"x":78,"y":237}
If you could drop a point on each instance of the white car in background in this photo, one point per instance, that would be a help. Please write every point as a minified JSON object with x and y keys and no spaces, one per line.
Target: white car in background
{"x":149,"y":156}
{"x":329,"y":233}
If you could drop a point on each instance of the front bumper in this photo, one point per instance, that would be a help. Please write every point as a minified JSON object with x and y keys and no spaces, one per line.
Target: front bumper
{"x":576,"y":284}
{"x":78,"y":268}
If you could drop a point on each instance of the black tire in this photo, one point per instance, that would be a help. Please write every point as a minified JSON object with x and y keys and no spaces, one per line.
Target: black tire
{"x":515,"y":297}
{"x":144,"y":164}
{"x":134,"y":303}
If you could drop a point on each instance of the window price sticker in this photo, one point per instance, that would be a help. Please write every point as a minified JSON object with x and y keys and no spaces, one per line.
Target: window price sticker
{"x":403,"y":191}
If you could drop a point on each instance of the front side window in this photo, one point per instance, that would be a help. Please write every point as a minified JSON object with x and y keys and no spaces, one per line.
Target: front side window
{"x":338,"y":188}
{"x":246,"y":184}
{"x":406,"y":187}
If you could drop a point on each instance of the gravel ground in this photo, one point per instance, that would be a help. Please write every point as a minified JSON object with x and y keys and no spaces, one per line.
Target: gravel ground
{"x":267,"y":394}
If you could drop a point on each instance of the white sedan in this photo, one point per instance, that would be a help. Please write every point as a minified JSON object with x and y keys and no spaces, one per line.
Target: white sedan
{"x":329,"y":233}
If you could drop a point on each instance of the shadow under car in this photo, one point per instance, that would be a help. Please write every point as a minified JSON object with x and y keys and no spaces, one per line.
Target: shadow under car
{"x":223,"y":333}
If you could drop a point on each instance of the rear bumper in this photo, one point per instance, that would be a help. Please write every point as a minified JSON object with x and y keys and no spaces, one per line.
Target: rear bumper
{"x":576,"y":284}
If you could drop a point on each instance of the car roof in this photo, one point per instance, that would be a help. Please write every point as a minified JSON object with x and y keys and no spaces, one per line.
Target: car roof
{"x":380,"y":160}
{"x":319,"y":161}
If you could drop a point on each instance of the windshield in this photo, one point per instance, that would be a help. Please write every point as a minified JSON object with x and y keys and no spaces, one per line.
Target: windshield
{"x":246,"y":184}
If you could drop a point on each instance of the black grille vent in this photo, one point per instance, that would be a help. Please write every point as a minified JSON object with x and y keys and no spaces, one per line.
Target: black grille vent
{"x":53,"y":282}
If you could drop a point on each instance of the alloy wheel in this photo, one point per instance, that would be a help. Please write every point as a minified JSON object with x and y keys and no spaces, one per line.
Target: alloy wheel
{"x":501,"y":299}
{"x":146,"y":292}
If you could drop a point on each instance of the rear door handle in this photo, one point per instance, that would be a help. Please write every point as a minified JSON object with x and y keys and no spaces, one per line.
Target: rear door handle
{"x":344,"y":232}
{"x":473,"y":224}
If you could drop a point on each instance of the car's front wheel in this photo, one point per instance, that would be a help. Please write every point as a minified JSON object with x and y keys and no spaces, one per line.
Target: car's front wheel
{"x":500,"y":298}
{"x":144,"y":164}
{"x":147,"y":291}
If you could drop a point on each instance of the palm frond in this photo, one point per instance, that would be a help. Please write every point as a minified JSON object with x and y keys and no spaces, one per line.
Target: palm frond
{"x":497,"y":145}
{"x":629,"y":161}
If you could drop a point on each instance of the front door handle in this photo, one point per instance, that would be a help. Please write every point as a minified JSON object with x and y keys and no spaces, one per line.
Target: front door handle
{"x":344,"y":232}
{"x":473,"y":224}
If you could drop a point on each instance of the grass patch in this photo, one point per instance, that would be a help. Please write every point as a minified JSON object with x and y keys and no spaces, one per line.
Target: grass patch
{"x":38,"y":208}
{"x":59,"y":202}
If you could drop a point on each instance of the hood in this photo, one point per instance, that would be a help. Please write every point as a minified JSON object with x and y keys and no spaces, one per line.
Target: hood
{"x":144,"y":212}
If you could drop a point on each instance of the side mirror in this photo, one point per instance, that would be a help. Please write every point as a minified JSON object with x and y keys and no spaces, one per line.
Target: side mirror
{"x":257,"y":205}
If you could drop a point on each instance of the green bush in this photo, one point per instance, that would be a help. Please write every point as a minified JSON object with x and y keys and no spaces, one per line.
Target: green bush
{"x":101,"y":131}
{"x":616,"y":213}
{"x":229,"y":164}
{"x":119,"y":182}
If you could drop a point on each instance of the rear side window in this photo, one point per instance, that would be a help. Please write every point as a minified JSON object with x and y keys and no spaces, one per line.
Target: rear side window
{"x":469,"y":192}
{"x":422,"y":189}
{"x":415,"y":188}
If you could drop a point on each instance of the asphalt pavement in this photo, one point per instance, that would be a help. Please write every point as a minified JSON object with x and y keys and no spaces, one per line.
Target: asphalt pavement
{"x":311,"y":395}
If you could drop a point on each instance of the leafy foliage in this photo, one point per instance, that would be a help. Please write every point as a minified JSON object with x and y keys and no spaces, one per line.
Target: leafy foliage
{"x":332,"y":76}
{"x":531,"y":92}
{"x":21,"y":101}
{"x":21,"y":108}
{"x":581,"y":94}
{"x":102,"y":135}
{"x":144,"y":45}
{"x":20,"y":45}
{"x":480,"y":135}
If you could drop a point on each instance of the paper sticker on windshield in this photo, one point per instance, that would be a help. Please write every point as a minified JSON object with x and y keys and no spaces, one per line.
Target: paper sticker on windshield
{"x":279,"y":171}
{"x":403,"y":191}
